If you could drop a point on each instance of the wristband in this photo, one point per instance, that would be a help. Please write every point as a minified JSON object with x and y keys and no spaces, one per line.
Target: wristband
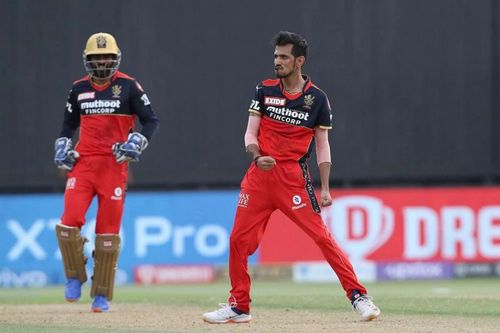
{"x":256,"y":159}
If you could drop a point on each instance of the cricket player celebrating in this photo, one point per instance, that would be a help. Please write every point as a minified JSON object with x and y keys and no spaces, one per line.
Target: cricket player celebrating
{"x":104,"y":104}
{"x":287,"y":117}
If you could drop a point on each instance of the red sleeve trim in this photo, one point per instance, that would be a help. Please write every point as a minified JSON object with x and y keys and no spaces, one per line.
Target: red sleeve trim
{"x":270,"y":82}
{"x":308,"y":85}
{"x":85,"y":78}
{"x":122,"y":75}
{"x":100,"y":88}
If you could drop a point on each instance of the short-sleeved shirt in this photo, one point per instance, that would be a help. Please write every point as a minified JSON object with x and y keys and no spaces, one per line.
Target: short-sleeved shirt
{"x":288,"y":121}
{"x":106,"y":115}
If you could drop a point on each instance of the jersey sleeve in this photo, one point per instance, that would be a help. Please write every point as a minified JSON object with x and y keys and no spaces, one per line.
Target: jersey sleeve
{"x":71,"y":116}
{"x":141,"y":106}
{"x":256,"y":103}
{"x":325,"y":115}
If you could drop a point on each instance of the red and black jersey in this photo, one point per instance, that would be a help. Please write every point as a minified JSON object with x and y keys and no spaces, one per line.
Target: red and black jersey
{"x":106,"y":114}
{"x":288,"y":121}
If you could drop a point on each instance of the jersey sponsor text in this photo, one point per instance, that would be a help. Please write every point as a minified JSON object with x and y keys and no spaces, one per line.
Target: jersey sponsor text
{"x":100,"y":106}
{"x":290,"y":116}
{"x":276,"y":101}
{"x":86,"y":95}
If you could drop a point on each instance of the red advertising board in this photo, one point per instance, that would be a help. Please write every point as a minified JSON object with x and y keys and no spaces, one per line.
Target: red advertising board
{"x":404,"y":224}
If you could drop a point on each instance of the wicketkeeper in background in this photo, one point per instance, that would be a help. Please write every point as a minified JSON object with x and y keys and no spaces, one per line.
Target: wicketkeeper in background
{"x":288,"y":115}
{"x":104,"y":104}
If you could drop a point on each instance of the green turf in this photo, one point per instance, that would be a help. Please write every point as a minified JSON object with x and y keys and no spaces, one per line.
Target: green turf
{"x":473,"y":298}
{"x":409,"y":297}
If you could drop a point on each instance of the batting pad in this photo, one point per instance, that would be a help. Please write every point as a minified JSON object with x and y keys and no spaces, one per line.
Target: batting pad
{"x":107,"y":249}
{"x":71,"y":246}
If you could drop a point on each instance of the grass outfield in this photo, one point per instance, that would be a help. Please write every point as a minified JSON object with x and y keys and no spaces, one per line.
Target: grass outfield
{"x":421,"y":306}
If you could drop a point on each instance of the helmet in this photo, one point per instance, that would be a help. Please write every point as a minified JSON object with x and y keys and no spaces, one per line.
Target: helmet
{"x":99,"y":44}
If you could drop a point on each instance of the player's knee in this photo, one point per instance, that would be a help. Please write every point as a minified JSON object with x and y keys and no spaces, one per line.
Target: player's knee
{"x":73,"y":220}
{"x":104,"y":228}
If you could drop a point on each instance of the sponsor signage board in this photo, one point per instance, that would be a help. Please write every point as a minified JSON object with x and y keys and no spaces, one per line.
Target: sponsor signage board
{"x":481,"y":269}
{"x":414,"y":271}
{"x":174,"y":228}
{"x":322,"y":272}
{"x":415,"y":225}
{"x":165,"y":274}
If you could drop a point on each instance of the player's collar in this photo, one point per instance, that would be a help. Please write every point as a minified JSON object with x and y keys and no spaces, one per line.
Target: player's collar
{"x":305,"y":87}
{"x":99,"y":87}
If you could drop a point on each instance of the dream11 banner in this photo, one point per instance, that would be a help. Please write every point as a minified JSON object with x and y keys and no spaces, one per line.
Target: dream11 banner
{"x":398,"y":225}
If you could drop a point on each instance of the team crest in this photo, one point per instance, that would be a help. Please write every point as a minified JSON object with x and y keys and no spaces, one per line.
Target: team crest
{"x":116,"y":90}
{"x":101,"y":42}
{"x":308,"y":101}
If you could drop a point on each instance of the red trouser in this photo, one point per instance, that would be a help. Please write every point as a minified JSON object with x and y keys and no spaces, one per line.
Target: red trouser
{"x":101,"y":176}
{"x":286,"y":187}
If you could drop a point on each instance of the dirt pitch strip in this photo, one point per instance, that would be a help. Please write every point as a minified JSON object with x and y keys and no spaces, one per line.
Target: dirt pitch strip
{"x":162,"y":318}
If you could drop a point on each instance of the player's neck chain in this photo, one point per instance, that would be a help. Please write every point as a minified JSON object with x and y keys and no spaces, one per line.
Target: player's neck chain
{"x":295,"y":90}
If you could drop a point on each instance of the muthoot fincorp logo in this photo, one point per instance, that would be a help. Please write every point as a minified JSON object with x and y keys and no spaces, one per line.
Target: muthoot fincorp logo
{"x":287,"y":115}
{"x":100,"y":106}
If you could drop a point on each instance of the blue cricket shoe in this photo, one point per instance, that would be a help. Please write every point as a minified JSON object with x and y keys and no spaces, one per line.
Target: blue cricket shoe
{"x":73,"y":290}
{"x":100,"y":304}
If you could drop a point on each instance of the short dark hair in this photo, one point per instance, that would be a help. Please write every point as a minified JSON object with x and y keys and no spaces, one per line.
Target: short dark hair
{"x":299,"y":43}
